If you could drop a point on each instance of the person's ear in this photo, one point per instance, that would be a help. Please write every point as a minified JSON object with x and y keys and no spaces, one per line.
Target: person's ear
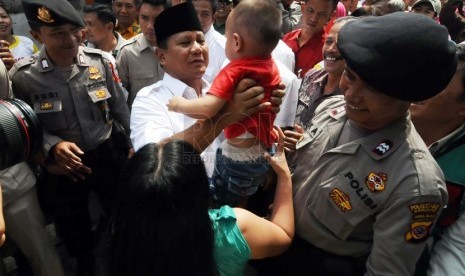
{"x":238,"y":42}
{"x":160,"y":53}
{"x":110,"y":26}
{"x":36,"y":35}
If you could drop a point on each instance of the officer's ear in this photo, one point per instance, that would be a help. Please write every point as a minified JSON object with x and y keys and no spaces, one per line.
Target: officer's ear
{"x":36,"y":35}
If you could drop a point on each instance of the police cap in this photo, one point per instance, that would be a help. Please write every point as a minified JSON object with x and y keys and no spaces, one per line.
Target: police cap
{"x":51,"y":13}
{"x":404,"y":55}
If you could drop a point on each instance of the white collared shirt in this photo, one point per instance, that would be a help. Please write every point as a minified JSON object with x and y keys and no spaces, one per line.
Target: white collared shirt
{"x":216,"y":53}
{"x":151,"y":121}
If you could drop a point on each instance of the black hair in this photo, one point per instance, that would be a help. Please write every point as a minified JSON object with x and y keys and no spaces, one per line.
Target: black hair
{"x":104,"y":13}
{"x":161,"y":222}
{"x":166,"y":4}
{"x":261,"y":19}
{"x":214,"y":4}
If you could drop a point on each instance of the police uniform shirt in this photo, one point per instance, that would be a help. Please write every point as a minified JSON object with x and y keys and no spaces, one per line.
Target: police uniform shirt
{"x":378,"y":195}
{"x":138,"y":66}
{"x":216,"y":53}
{"x":69,"y":107}
{"x":151,"y":121}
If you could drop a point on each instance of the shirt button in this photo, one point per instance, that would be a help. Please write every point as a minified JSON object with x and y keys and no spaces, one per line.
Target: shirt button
{"x":419,"y":155}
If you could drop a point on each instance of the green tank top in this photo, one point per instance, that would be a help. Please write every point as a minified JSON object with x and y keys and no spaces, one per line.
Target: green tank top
{"x":231,"y":251}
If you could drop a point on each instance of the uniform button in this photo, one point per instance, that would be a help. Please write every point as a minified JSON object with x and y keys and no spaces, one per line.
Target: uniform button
{"x":419,"y":155}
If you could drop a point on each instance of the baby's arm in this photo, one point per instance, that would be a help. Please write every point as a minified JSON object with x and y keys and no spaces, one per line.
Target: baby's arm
{"x":201,"y":108}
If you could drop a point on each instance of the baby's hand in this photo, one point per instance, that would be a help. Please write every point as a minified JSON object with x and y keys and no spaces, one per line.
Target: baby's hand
{"x":175,"y":103}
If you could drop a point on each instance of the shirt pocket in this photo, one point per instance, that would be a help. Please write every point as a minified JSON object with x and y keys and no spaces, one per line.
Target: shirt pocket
{"x":341,"y":205}
{"x":99,"y":96}
{"x":48,"y":107}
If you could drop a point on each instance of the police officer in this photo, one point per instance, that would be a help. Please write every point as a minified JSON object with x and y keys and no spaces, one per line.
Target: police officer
{"x":137,"y":63}
{"x":367,"y":192}
{"x":72,"y":90}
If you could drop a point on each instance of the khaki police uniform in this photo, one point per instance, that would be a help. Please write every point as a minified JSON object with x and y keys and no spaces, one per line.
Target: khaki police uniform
{"x":138,"y":66}
{"x":375,"y":198}
{"x":77,"y":106}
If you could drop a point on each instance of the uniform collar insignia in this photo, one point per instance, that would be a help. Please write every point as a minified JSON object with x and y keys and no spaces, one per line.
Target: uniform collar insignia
{"x":383,"y":147}
{"x":43,"y":14}
{"x":44,"y":63}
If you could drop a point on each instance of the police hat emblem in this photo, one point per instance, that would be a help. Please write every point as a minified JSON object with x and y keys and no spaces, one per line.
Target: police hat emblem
{"x":43,"y":14}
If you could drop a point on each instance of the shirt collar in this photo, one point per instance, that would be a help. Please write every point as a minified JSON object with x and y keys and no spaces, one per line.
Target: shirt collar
{"x":438,"y":147}
{"x":179,"y":88}
{"x":46,"y":64}
{"x":143,"y":43}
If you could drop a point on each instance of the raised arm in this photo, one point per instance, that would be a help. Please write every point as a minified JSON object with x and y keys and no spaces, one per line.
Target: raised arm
{"x":267,"y":238}
{"x":247,"y":100}
{"x":202,"y":108}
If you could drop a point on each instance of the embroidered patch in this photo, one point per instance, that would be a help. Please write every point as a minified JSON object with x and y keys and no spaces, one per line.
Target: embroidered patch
{"x":376,"y":182}
{"x":341,"y":199}
{"x":418,"y":231}
{"x":43,"y":14}
{"x":46,"y":105}
{"x":44,"y":63}
{"x":94,"y":73}
{"x":100,"y":93}
{"x":423,"y":215}
{"x":383,"y":147}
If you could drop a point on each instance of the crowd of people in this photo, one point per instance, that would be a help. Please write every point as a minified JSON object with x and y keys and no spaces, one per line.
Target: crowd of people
{"x":251,"y":137}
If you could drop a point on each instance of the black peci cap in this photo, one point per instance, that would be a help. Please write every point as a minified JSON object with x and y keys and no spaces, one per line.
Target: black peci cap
{"x":51,"y":13}
{"x":404,"y":55}
{"x":179,"y":18}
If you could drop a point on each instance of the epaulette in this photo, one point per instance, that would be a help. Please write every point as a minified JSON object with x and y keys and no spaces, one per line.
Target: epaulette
{"x":88,"y":50}
{"x":22,"y":63}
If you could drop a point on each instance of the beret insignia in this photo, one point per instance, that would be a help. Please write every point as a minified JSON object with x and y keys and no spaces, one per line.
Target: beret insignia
{"x":43,"y":14}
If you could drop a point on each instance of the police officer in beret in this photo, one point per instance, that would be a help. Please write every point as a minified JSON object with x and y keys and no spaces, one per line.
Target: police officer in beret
{"x":75,"y":95}
{"x":367,"y":192}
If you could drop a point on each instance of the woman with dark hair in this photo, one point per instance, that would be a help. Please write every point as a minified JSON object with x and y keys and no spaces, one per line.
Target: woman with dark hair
{"x":163,"y":224}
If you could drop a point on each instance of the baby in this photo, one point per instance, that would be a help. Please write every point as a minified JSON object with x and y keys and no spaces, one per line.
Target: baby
{"x":253,"y":29}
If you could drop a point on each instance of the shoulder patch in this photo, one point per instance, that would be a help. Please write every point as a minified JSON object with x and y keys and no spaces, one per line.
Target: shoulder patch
{"x":423,"y":216}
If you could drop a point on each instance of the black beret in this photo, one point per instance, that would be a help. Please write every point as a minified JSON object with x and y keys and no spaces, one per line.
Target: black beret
{"x":51,"y":13}
{"x":404,"y":55}
{"x":178,"y":18}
